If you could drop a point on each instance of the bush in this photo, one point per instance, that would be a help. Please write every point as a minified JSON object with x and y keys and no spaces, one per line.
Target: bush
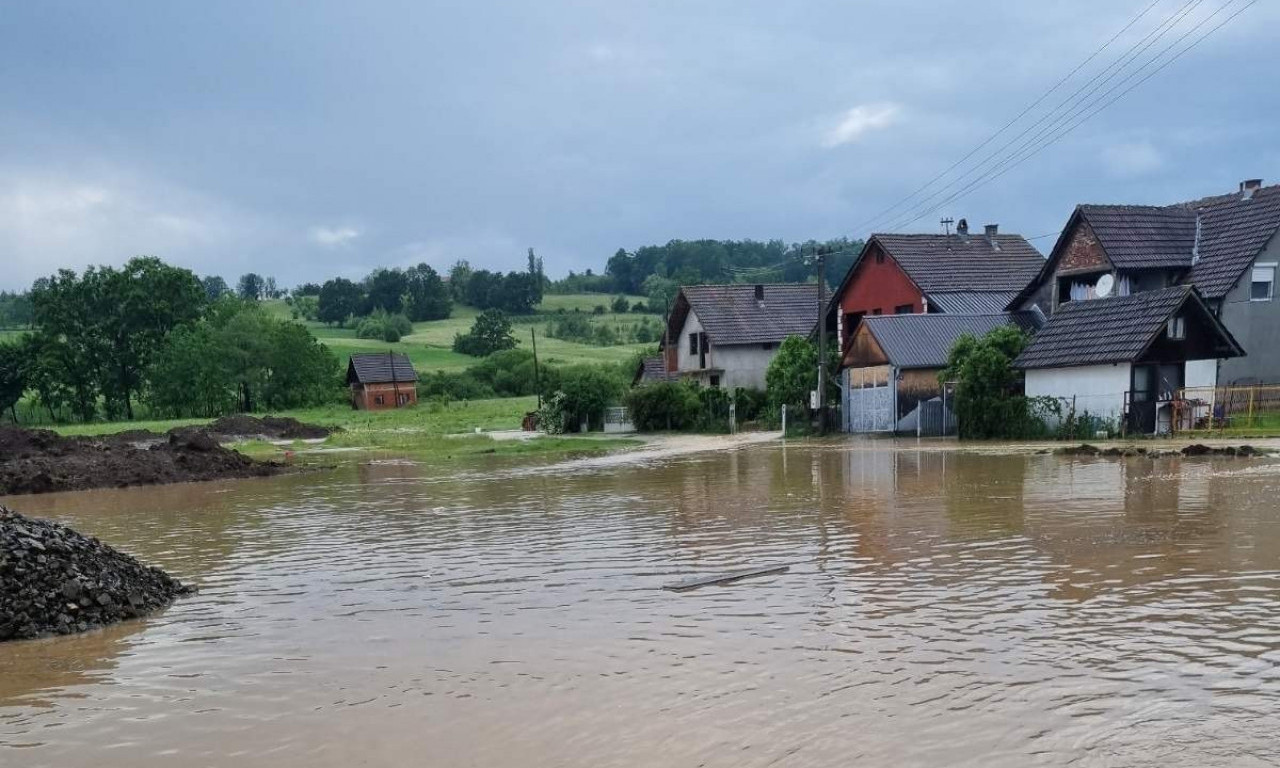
{"x":453,"y":386}
{"x":510,"y":373}
{"x":583,"y":393}
{"x":387,"y":327}
{"x":620,"y":305}
{"x":598,"y":309}
{"x":988,"y":400}
{"x":490,"y":333}
{"x":664,"y":405}
{"x":749,"y":404}
{"x":639,"y":308}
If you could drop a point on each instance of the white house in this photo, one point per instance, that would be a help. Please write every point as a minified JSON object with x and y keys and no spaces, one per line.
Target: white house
{"x":1124,"y":359}
{"x":726,"y":335}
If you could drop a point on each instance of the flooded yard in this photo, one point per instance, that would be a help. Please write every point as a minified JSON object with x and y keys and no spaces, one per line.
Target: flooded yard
{"x":942,"y":608}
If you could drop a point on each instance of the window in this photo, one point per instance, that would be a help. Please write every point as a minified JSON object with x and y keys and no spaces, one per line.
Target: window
{"x":402,"y":398}
{"x":904,"y":309}
{"x":693,"y":343}
{"x":879,"y":257}
{"x":377,"y":399}
{"x":1263,"y":286}
{"x":1177,"y":329}
{"x":715,"y":382}
{"x":766,"y":346}
{"x":875,"y":311}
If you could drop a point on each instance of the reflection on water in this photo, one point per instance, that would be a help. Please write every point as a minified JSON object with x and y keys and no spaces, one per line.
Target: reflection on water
{"x":943,"y":608}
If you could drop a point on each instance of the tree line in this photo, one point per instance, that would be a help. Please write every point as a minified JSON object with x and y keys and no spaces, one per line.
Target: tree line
{"x":106,"y":340}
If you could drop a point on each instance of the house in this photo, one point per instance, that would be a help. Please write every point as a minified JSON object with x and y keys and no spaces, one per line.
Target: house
{"x":726,"y":335}
{"x":381,"y":380}
{"x":921,"y":274}
{"x":1226,"y":246}
{"x":891,"y":367}
{"x":1124,"y":358}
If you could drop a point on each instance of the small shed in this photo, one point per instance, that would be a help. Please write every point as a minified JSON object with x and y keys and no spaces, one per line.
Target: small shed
{"x":381,"y":380}
{"x":890,"y":366}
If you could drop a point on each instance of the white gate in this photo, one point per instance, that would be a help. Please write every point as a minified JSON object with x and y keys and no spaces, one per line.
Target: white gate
{"x":868,"y":399}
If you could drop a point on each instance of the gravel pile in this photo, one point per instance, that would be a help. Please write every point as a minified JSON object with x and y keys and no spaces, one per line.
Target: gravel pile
{"x":55,"y":581}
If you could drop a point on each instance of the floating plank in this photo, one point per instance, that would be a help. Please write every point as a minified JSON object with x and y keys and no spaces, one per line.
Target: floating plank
{"x":725,"y":578}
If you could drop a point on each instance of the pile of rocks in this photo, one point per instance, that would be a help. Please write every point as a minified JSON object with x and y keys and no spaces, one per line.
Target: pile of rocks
{"x":54,"y":580}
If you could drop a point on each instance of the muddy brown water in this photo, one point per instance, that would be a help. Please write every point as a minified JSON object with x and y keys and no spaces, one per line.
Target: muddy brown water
{"x":943,"y":608}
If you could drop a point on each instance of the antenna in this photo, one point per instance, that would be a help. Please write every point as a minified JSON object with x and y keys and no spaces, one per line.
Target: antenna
{"x":946,"y":224}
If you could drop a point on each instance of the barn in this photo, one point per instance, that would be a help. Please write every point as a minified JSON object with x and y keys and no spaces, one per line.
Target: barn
{"x":381,"y":380}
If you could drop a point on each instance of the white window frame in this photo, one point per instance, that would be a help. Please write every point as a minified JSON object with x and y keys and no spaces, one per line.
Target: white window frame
{"x":1269,"y":266}
{"x":1177,"y":330}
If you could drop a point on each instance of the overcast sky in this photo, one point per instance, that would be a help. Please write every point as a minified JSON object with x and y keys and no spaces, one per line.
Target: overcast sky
{"x":307,"y":140}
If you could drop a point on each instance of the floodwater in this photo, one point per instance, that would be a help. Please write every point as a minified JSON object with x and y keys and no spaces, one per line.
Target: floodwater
{"x":943,"y":608}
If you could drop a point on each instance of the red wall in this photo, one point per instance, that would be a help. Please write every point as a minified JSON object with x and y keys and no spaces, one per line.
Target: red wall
{"x":882,"y":286}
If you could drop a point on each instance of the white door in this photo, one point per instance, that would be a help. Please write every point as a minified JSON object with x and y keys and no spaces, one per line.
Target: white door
{"x":868,"y":402}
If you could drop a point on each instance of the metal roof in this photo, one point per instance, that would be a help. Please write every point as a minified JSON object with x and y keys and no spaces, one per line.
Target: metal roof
{"x":730,"y":314}
{"x":971,"y":302}
{"x":1114,"y":330}
{"x":380,"y":368}
{"x":925,"y":341}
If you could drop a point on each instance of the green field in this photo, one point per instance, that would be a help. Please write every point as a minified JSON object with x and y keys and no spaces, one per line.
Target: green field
{"x":430,"y":346}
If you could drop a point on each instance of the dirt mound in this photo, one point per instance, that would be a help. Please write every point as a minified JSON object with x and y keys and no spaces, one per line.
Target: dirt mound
{"x":39,"y":461}
{"x":55,"y":581}
{"x":272,"y":427}
{"x":1198,"y":449}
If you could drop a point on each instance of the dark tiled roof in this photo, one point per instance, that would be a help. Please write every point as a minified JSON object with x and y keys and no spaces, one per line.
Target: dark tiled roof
{"x":730,"y":314}
{"x":1142,"y":236}
{"x":1232,"y":232}
{"x":1114,"y":330}
{"x":653,"y":369}
{"x":944,"y":263}
{"x":380,"y":368}
{"x":971,"y":302}
{"x":924,"y":341}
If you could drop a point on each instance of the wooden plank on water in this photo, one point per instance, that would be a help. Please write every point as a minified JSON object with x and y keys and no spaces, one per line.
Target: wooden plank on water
{"x":725,"y":578}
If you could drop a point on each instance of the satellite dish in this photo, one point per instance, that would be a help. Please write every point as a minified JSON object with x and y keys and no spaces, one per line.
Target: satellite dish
{"x":1106,"y":284}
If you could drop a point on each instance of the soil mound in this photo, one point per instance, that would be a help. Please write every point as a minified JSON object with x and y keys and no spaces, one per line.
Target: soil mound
{"x":272,"y":427}
{"x":54,"y":580}
{"x":40,"y":461}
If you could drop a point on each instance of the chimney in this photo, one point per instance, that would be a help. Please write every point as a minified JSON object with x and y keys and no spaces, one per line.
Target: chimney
{"x":1248,"y":187}
{"x":962,"y":228}
{"x":991,"y":230}
{"x":759,"y":294}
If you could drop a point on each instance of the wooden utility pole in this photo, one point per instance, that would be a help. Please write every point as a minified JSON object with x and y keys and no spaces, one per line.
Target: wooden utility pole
{"x":537,"y":377}
{"x":822,"y":340}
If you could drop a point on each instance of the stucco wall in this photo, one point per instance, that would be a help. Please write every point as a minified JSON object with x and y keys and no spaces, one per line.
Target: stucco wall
{"x":686,"y":361}
{"x":1256,"y":325}
{"x":1098,"y":389}
{"x":744,"y":365}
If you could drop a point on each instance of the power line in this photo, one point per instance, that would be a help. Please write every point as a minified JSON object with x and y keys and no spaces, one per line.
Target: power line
{"x":1015,"y":119}
{"x":1017,"y":159}
{"x":1064,"y":110}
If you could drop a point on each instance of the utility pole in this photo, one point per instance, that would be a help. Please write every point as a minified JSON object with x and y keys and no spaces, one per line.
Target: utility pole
{"x":537,"y":377}
{"x":946,"y":225}
{"x":822,"y":340}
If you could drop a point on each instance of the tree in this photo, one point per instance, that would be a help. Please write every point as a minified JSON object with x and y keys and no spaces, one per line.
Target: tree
{"x":214,"y":287}
{"x":251,"y":286}
{"x":307,"y":289}
{"x":459,"y":280}
{"x":988,"y":399}
{"x":620,"y":305}
{"x":428,"y":298}
{"x":269,"y":289}
{"x":793,"y":374}
{"x":384,"y":289}
{"x":339,"y":299}
{"x":584,"y":392}
{"x":537,"y":280}
{"x":661,"y":291}
{"x":13,"y":379}
{"x":490,"y":333}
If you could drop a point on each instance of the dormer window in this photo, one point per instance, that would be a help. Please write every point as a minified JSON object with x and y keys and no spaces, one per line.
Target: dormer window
{"x":1177,"y":329}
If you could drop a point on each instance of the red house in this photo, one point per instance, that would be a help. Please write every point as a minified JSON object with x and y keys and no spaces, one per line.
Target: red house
{"x":381,"y":380}
{"x":958,"y":274}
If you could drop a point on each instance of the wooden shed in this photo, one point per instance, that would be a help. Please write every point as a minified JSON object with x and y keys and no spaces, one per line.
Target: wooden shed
{"x":381,"y":380}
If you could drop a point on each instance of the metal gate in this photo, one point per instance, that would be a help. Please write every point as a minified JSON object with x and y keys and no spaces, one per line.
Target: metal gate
{"x":868,"y":399}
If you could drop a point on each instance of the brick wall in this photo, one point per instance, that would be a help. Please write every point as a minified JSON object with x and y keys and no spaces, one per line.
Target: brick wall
{"x":367,"y":397}
{"x":1083,"y":252}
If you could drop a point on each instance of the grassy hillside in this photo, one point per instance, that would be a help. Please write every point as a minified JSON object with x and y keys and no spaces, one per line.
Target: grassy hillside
{"x":430,"y":346}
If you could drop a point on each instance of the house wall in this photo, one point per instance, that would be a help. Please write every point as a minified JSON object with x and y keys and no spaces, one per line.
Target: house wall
{"x":744,"y":364}
{"x":1083,"y":252}
{"x":1256,"y":325}
{"x":684,"y":360}
{"x":1098,"y":389}
{"x":365,"y":397}
{"x":873,"y":286}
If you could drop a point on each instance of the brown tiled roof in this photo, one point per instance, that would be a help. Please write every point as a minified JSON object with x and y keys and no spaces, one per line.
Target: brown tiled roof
{"x":1114,"y":330}
{"x":730,"y":314}
{"x":1232,"y":232}
{"x":380,"y":368}
{"x":653,"y":369}
{"x":1143,"y":236}
{"x":945,"y":263}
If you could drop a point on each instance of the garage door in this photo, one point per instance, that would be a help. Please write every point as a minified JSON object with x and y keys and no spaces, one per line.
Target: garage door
{"x":868,"y":399}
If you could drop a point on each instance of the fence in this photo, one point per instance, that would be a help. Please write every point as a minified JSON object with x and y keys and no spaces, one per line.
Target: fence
{"x":1253,"y":409}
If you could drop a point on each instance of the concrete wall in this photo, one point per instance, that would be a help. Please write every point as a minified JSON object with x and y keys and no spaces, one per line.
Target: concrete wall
{"x":1256,"y":325}
{"x":684,"y":360}
{"x":744,"y":365}
{"x":1098,"y":389}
